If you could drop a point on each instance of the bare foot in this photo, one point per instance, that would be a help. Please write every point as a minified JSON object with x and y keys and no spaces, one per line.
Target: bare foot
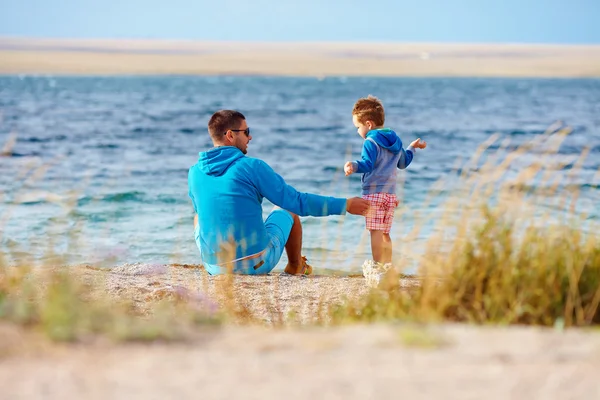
{"x":299,"y":269}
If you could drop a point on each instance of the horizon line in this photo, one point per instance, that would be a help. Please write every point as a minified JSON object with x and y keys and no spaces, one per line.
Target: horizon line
{"x":299,"y":41}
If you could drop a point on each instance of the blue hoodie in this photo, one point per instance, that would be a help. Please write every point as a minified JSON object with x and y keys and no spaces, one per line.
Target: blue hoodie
{"x":227,"y":190}
{"x":381,"y":154}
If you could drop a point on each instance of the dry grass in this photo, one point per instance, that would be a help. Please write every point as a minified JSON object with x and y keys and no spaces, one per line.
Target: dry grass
{"x":493,"y":258}
{"x":57,"y":303}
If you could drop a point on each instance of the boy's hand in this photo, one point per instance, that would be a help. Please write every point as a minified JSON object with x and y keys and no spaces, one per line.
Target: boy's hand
{"x":348,"y":168}
{"x":419,"y":144}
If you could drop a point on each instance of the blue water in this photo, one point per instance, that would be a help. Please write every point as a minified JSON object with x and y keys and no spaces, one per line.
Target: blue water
{"x":99,"y":167}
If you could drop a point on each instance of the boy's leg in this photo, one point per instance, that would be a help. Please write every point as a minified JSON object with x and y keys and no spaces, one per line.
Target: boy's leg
{"x":387,"y":248}
{"x":391,"y":202}
{"x":377,"y":246}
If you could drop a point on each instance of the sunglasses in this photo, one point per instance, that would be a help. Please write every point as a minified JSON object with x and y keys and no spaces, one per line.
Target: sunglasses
{"x":246,"y":131}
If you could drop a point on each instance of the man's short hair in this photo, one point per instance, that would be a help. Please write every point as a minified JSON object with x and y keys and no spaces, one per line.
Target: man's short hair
{"x":222,"y":121}
{"x":369,"y":109}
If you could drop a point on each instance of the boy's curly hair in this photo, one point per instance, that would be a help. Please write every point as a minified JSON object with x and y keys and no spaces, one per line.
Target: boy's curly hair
{"x":369,"y":109}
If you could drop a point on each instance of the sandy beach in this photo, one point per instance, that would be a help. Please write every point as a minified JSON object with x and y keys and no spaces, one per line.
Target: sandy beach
{"x":288,"y":348}
{"x":447,"y":361}
{"x":359,"y":362}
{"x":319,"y":59}
{"x":270,"y":299}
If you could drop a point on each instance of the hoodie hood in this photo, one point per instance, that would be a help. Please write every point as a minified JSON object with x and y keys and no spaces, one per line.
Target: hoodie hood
{"x":387,"y":139}
{"x":216,"y":161}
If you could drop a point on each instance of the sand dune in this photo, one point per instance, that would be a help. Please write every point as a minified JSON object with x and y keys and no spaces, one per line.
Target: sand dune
{"x":156,"y":57}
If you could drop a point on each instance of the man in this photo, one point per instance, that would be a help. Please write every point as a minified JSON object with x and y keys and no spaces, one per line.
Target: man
{"x":227,"y":189}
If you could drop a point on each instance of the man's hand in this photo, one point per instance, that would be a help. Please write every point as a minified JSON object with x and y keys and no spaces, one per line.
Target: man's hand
{"x":419,"y":144}
{"x":357,"y":206}
{"x":348,"y":168}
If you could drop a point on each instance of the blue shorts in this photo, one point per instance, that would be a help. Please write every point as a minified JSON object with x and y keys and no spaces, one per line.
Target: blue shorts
{"x":278,"y":225}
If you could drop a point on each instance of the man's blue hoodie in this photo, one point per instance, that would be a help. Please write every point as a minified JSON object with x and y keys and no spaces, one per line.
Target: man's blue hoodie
{"x":382,"y":154}
{"x":227,"y":189}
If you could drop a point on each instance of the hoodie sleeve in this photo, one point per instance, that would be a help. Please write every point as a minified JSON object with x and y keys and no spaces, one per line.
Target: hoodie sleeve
{"x":406,"y":157}
{"x":368,"y":155}
{"x":273,"y":187}
{"x":190,"y":192}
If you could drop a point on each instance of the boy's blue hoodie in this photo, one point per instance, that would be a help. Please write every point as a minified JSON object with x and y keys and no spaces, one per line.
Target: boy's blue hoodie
{"x":227,"y":189}
{"x":382,"y":154}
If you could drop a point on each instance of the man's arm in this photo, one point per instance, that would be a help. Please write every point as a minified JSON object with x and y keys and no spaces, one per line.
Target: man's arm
{"x":272,"y":186}
{"x":191,"y":196}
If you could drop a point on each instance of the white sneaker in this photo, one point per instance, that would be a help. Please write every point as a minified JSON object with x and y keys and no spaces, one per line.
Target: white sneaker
{"x":374,"y":271}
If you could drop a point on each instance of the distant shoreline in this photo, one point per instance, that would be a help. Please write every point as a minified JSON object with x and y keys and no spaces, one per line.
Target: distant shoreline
{"x":162,"y":57}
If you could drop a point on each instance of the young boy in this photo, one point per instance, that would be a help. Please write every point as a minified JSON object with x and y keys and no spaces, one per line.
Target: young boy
{"x":382,"y":154}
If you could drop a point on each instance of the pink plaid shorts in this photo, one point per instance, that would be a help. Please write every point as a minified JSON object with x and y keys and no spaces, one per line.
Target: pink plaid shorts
{"x":381,"y":213}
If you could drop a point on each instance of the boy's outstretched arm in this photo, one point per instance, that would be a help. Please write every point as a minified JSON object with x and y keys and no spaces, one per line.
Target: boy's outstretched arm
{"x":368,"y":155}
{"x":407,"y":155}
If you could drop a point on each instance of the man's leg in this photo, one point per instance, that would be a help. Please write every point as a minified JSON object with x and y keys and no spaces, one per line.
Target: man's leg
{"x":293,"y":248}
{"x":285,"y":230}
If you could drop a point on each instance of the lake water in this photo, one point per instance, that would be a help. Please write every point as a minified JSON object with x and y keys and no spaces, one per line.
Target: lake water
{"x":99,"y":167}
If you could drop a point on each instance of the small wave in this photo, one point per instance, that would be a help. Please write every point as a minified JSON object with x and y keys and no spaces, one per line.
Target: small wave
{"x":171,"y":200}
{"x":141,"y":129}
{"x":189,"y":131}
{"x":124,"y":197}
{"x":98,"y":216}
{"x":169,"y":116}
{"x":318,"y":128}
{"x":35,"y":197}
{"x":35,"y":139}
{"x":301,"y":111}
{"x":514,"y":132}
{"x":16,"y":155}
{"x":105,"y":146}
{"x":318,"y":249}
{"x":298,"y":149}
{"x":133,"y":196}
{"x":180,"y":172}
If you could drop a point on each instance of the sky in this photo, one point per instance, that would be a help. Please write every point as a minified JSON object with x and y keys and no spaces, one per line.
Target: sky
{"x":470,"y":21}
